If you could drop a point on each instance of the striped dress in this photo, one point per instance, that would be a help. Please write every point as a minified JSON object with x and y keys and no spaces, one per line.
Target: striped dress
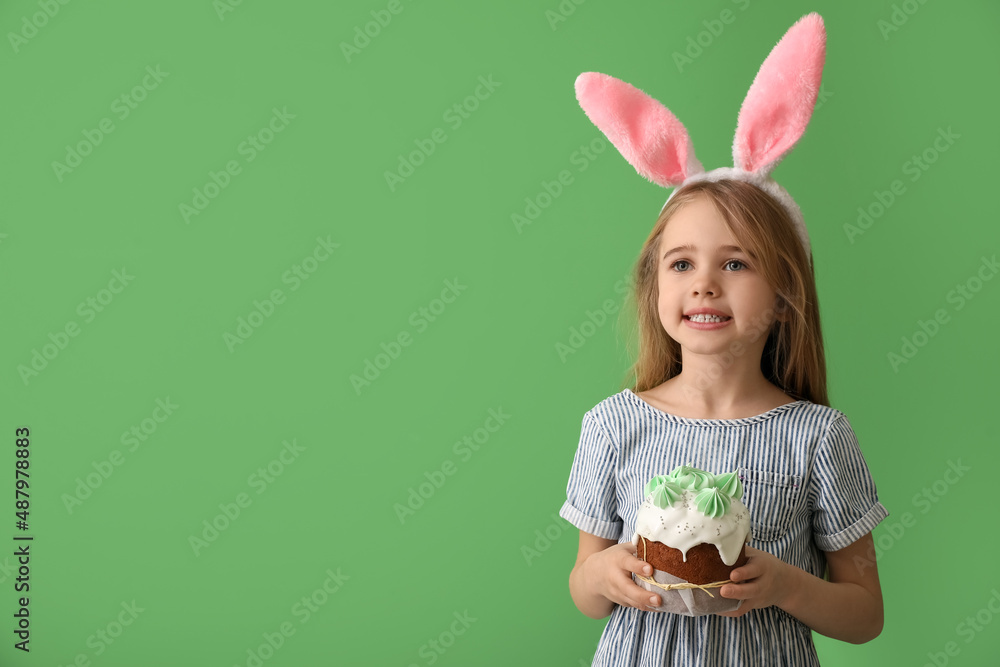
{"x":805,"y":482}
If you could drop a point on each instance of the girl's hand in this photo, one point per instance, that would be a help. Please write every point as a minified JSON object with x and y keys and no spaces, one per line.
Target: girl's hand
{"x":609,"y":573}
{"x":763,"y":581}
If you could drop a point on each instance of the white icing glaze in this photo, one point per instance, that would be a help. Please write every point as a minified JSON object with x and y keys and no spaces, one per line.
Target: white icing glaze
{"x":682,"y":526}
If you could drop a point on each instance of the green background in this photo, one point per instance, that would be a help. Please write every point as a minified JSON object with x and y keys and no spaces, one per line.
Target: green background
{"x":476,"y":546}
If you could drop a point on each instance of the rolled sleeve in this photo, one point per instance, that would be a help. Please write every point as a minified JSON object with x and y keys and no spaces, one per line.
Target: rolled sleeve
{"x":846,"y":504}
{"x":591,"y":501}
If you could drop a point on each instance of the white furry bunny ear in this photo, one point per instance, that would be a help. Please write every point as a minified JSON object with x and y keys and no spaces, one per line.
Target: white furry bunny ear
{"x":643,"y":130}
{"x":781,"y":99}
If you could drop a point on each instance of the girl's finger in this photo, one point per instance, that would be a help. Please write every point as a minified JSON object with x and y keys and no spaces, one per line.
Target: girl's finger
{"x":646,"y":602}
{"x":647,"y":597}
{"x":747,"y":572}
{"x":642,"y":567}
{"x":633,"y":564}
{"x":741,"y":591}
{"x":634,"y":595}
{"x":731,"y":591}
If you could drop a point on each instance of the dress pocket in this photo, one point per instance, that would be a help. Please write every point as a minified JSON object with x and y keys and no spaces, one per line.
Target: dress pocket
{"x":771,"y":498}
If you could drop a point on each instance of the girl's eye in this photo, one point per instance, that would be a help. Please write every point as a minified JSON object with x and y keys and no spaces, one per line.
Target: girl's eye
{"x":680,"y":265}
{"x":735,"y":265}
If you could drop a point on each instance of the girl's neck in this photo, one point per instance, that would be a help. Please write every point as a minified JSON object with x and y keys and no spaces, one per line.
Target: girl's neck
{"x":706,"y":389}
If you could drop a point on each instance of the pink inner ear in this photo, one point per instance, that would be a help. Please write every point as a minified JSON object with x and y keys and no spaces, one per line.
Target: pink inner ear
{"x":643,"y":130}
{"x":780,"y":102}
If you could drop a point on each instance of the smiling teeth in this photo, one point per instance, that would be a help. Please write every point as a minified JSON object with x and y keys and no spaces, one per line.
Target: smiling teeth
{"x":701,"y":317}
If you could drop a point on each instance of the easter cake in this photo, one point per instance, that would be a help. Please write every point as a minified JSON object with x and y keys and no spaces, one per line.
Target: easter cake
{"x":692,"y":528}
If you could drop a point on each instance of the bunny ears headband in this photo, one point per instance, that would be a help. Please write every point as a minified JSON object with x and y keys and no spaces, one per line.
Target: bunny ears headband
{"x":773,"y":117}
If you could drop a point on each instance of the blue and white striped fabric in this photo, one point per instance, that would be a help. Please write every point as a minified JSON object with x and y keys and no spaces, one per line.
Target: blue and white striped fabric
{"x":805,"y":482}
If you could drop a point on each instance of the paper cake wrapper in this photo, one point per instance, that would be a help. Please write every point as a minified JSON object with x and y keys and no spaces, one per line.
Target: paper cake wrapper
{"x":686,"y":601}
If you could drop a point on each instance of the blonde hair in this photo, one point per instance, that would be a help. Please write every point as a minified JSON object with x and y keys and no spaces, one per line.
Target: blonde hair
{"x":793,"y":357}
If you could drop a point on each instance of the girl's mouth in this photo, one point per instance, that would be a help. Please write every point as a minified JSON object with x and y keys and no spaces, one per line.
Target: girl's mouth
{"x":703,"y":318}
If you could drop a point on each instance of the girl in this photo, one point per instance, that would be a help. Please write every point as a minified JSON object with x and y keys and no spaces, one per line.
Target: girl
{"x":730,"y":376}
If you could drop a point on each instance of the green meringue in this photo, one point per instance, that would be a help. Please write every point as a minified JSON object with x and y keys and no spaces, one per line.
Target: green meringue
{"x":666,"y":494}
{"x":712,"y":502}
{"x":729,"y":483}
{"x":653,"y":483}
{"x":689,"y":477}
{"x":712,"y":493}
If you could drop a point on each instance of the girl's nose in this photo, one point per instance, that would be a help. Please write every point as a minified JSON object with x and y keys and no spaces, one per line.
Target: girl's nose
{"x":705,"y":284}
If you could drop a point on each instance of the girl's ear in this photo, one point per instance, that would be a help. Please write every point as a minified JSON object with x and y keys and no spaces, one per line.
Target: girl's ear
{"x":782,"y":312}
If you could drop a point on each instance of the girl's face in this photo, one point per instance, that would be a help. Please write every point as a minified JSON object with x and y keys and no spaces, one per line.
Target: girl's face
{"x":711,"y":299}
